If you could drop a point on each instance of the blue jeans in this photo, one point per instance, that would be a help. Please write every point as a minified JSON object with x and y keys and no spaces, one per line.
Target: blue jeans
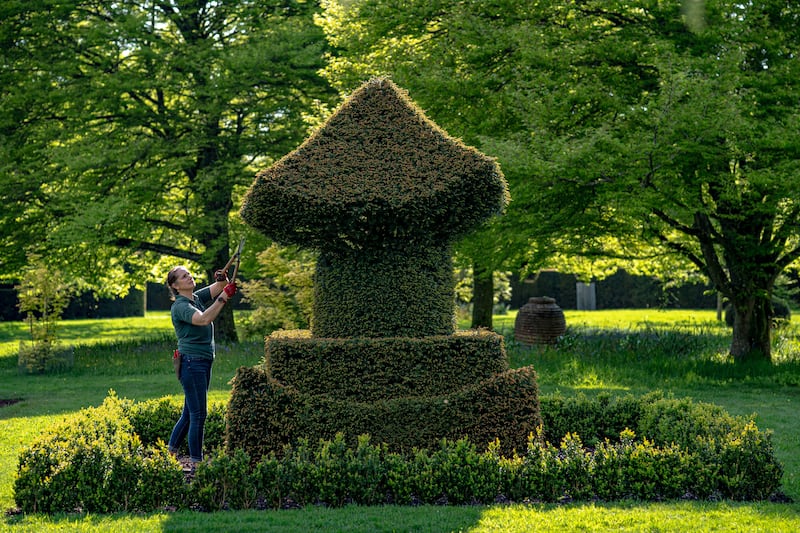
{"x":195,"y":379}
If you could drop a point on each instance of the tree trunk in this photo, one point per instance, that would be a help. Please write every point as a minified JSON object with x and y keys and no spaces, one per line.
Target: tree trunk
{"x":482,"y":297}
{"x":752,"y":333}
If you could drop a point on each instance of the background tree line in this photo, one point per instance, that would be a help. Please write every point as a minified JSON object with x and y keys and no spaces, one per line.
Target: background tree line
{"x":657,"y":136}
{"x":130,"y":129}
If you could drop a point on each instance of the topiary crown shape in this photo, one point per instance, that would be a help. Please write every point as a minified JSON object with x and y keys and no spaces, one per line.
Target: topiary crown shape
{"x":378,"y":170}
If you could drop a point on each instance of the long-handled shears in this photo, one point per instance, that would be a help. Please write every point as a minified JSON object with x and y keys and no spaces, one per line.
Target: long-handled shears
{"x":237,"y":256}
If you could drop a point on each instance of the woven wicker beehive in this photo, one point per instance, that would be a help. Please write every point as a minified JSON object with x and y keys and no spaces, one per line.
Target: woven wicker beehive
{"x":540,"y":321}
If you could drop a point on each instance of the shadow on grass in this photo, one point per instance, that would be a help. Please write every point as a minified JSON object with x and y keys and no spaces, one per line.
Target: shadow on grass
{"x":593,"y":516}
{"x":351,"y":519}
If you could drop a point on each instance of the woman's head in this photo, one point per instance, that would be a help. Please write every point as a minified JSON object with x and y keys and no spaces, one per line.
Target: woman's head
{"x":177,"y":279}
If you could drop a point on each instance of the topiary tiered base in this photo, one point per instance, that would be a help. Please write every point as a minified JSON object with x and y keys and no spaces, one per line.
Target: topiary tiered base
{"x":405,"y":392}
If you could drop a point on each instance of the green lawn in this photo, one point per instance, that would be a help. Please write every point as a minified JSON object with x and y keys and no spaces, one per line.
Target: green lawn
{"x":680,"y":352}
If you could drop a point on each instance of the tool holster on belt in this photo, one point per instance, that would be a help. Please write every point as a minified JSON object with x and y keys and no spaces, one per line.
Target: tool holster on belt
{"x":176,"y":362}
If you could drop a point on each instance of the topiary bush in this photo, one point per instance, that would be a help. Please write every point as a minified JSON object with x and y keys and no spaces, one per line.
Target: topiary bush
{"x":403,"y":291}
{"x":380,"y":193}
{"x":377,"y":170}
{"x":386,"y":387}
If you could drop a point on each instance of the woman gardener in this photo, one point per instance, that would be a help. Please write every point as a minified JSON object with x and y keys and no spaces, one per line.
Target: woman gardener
{"x":193,"y":313}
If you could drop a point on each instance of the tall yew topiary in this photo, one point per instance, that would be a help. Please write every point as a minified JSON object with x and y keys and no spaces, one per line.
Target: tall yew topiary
{"x":381,"y":192}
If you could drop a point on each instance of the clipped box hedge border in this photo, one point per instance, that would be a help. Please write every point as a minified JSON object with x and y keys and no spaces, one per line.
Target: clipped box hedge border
{"x":680,"y":449}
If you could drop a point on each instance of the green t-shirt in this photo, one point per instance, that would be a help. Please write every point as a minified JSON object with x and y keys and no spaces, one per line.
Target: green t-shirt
{"x":196,"y":341}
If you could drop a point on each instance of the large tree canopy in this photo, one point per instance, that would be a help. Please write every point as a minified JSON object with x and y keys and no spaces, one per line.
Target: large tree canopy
{"x":623,"y":128}
{"x":129,"y":128}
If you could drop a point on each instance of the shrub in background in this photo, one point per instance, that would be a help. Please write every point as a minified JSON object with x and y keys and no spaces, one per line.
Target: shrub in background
{"x":43,"y":295}
{"x":283,"y":297}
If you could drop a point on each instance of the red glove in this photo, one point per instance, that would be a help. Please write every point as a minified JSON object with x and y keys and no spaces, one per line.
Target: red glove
{"x":220,"y":275}
{"x":230,"y":289}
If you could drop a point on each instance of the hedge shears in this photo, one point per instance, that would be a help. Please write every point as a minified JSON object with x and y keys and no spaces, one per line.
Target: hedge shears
{"x":237,"y":257}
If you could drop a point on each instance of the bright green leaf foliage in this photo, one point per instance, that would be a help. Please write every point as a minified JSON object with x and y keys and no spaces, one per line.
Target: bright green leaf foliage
{"x":283,"y":294}
{"x":129,"y":128}
{"x":627,"y":130}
